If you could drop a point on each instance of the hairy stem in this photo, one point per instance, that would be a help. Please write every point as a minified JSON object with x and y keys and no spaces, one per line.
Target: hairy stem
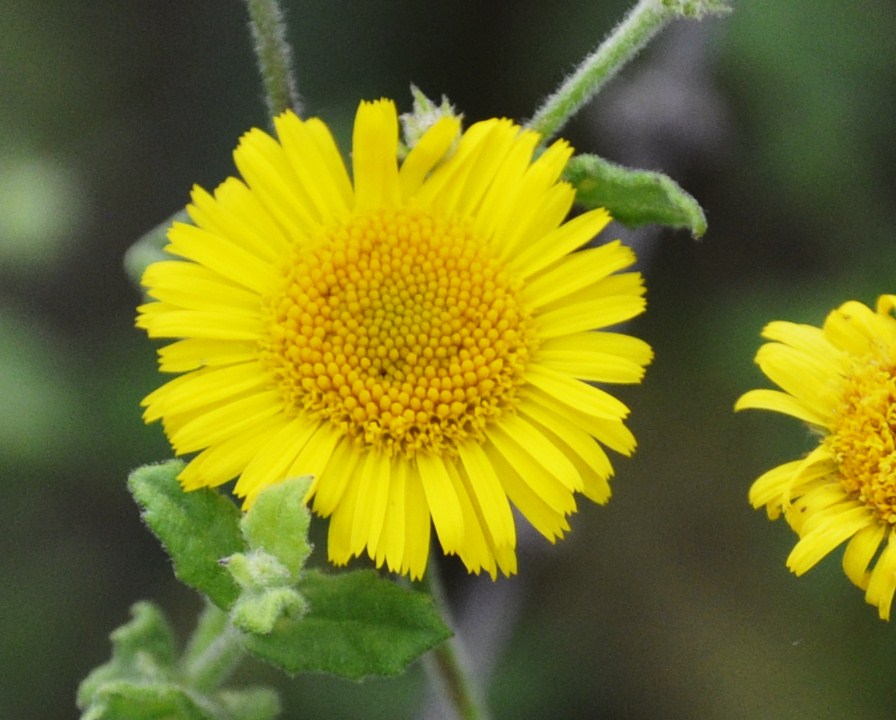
{"x":641,"y":24}
{"x":214,"y":651}
{"x":274,"y":55}
{"x":446,"y":666}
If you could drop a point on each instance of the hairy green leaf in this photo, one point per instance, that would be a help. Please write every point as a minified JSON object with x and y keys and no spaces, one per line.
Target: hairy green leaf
{"x":278,"y":523}
{"x":251,"y":703}
{"x":197,"y":528}
{"x":357,"y":624}
{"x":123,"y":700}
{"x":142,"y":650}
{"x":634,"y":197}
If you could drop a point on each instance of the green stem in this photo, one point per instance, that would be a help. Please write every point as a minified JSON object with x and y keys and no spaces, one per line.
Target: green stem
{"x":274,"y":55}
{"x":446,"y":665}
{"x":642,"y":23}
{"x":214,"y":651}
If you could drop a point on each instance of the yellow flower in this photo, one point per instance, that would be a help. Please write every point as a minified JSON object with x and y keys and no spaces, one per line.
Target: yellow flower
{"x":419,"y":339}
{"x":841,"y":380}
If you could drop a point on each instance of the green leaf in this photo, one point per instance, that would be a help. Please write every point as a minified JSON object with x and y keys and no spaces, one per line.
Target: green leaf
{"x":278,"y":523}
{"x":142,"y":649}
{"x":266,"y":592}
{"x":357,"y":624}
{"x":197,"y":528}
{"x":251,"y":703}
{"x":144,"y":680}
{"x":634,"y":197}
{"x":136,"y":701}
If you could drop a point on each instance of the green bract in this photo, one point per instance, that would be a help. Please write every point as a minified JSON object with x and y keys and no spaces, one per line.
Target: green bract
{"x":634,"y":197}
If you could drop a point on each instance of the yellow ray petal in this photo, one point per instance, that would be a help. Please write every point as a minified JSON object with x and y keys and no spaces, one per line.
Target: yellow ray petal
{"x":574,"y":393}
{"x":781,"y":402}
{"x":882,"y":583}
{"x":374,"y":155}
{"x":391,"y":544}
{"x":220,"y":254}
{"x":330,"y":484}
{"x":516,"y":430}
{"x":589,"y":315}
{"x":545,"y":509}
{"x":577,"y":271}
{"x":236,"y":214}
{"x":815,"y":383}
{"x":264,"y":166}
{"x":532,"y":218}
{"x":591,"y":366}
{"x":373,"y":500}
{"x":417,"y":526}
{"x":611,"y":432}
{"x":813,"y":546}
{"x":477,"y":551}
{"x":204,"y":388}
{"x":860,"y":551}
{"x":225,"y":460}
{"x":560,"y":242}
{"x":339,"y":535}
{"x":161,"y":320}
{"x":273,"y":458}
{"x":458,"y":185}
{"x":427,"y":153}
{"x":323,"y":180}
{"x":333,"y":159}
{"x":578,"y":441}
{"x":225,"y":421}
{"x":542,"y":482}
{"x":805,"y":338}
{"x":195,"y":353}
{"x":486,"y":491}
{"x":195,"y":287}
{"x":444,"y":505}
{"x":856,"y":328}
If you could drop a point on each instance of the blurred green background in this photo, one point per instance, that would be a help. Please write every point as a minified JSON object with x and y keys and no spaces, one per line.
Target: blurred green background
{"x":671,"y":602}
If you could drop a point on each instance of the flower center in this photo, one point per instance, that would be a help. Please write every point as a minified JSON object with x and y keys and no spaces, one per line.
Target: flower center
{"x":401,"y":329}
{"x":863,"y":437}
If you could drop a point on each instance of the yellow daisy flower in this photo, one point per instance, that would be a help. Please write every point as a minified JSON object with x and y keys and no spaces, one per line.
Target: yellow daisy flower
{"x":419,"y":338}
{"x":841,"y":380}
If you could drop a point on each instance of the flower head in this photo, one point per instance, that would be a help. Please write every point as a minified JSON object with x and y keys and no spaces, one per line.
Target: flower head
{"x":841,"y":380}
{"x":419,"y":338}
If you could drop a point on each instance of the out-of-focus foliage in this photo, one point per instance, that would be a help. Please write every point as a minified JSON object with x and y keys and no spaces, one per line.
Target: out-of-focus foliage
{"x":672,"y":601}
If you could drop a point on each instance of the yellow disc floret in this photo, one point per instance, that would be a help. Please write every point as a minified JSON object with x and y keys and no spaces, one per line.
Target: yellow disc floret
{"x":863,"y":437}
{"x":401,"y":329}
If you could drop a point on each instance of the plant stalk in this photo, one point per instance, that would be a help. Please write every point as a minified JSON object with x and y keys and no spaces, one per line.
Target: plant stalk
{"x":274,"y":55}
{"x":446,"y":665}
{"x":643,"y":21}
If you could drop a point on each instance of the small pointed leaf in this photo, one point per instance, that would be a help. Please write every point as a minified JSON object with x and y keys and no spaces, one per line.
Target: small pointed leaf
{"x":123,"y":700}
{"x":634,"y":197}
{"x":357,"y":624}
{"x":278,"y":523}
{"x":197,"y":528}
{"x":251,"y":703}
{"x":142,"y":649}
{"x":257,"y":611}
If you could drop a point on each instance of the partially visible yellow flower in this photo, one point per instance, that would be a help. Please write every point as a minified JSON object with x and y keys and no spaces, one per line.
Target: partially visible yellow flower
{"x":419,"y":338}
{"x":841,"y":380}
